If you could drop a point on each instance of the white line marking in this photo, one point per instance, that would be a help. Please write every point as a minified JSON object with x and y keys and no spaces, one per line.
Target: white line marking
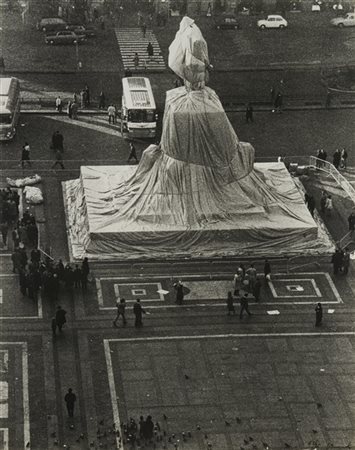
{"x":4,"y":400}
{"x":26,"y":403}
{"x":113,"y":393}
{"x":99,"y":292}
{"x":5,"y":433}
{"x":311,"y":280}
{"x":316,"y":288}
{"x":158,"y":285}
{"x":0,"y":295}
{"x":233,"y":335}
{"x":333,"y":288}
{"x":8,"y":275}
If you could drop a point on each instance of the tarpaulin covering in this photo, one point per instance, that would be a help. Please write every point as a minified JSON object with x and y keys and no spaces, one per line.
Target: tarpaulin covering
{"x":198,"y":193}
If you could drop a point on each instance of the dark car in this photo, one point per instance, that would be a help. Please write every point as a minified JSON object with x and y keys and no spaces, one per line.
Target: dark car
{"x":227,"y":22}
{"x":51,"y":24}
{"x":63,"y":37}
{"x":82,"y":30}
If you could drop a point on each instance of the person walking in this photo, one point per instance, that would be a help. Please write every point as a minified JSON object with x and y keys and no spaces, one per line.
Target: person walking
{"x":133,"y":152}
{"x":138,"y":311}
{"x":230,"y":304}
{"x":251,"y":272}
{"x":58,"y":159}
{"x":319,"y":314}
{"x":336,"y":158}
{"x":249,"y":113}
{"x":70,"y":399}
{"x":59,"y":104}
{"x":267,"y":269}
{"x":57,"y":141}
{"x":343,"y":160}
{"x":136,"y":61}
{"x":179,"y":288}
{"x":69,"y":109}
{"x":111,"y":111}
{"x":25,"y":155}
{"x":150,"y":51}
{"x":102,"y":100}
{"x":121,"y":311}
{"x":346,"y":262}
{"x":244,"y":305}
{"x":329,"y":205}
{"x":60,"y":317}
{"x":337,"y":261}
{"x":144,"y":29}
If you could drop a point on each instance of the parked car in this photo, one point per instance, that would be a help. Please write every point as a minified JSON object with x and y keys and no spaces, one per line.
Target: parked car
{"x":227,"y":22}
{"x":64,"y":37}
{"x":83,"y":30}
{"x":52,"y":24}
{"x":272,"y":21}
{"x":347,"y":21}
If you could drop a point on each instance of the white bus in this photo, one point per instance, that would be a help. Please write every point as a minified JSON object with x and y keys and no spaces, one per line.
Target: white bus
{"x":9,"y":107}
{"x":138,"y":114}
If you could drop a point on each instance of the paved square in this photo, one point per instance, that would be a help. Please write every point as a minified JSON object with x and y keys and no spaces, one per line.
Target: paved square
{"x":13,"y":305}
{"x":300,"y":288}
{"x":238,"y":386}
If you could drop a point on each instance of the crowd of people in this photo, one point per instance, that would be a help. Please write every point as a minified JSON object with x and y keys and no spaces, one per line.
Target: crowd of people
{"x":341,"y":261}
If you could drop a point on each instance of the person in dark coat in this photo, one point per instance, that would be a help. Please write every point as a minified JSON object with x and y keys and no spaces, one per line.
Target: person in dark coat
{"x":70,"y":399}
{"x":244,"y":305}
{"x":336,"y":158}
{"x":133,"y":153}
{"x":77,"y":276}
{"x":150,"y":50}
{"x":102,"y":100}
{"x":319,"y":314}
{"x":346,"y":262}
{"x":138,"y":312}
{"x":57,"y":141}
{"x":230,"y":304}
{"x":249,"y":113}
{"x":267,"y":268}
{"x":337,"y":261}
{"x":149,"y":429}
{"x":60,"y":317}
{"x":179,"y":288}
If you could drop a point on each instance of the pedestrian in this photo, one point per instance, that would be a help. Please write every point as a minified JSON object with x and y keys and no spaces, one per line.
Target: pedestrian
{"x":230,"y":303}
{"x":4,"y":229}
{"x":57,"y":141}
{"x":150,"y":51}
{"x":138,"y":311}
{"x":16,"y":261}
{"x":329,"y":205}
{"x":111,"y":111}
{"x":251,"y":272}
{"x":343,"y":160}
{"x":60,"y":317}
{"x":69,"y":109}
{"x":336,"y":158}
{"x":322,"y":155}
{"x":70,"y":399}
{"x":346,"y":262}
{"x":58,"y":104}
{"x":238,"y":281}
{"x":102,"y":100}
{"x":267,"y":269}
{"x":54,"y":326}
{"x":25,"y":156}
{"x":244,"y":305}
{"x":74,"y":110}
{"x":133,"y":153}
{"x":323,"y":201}
{"x":58,"y":159}
{"x":121,"y":311}
{"x":319,"y":314}
{"x":249,"y":113}
{"x":144,"y":29}
{"x":149,"y":429}
{"x":351,"y":221}
{"x":278,"y":103}
{"x":179,"y":288}
{"x":337,"y":261}
{"x":257,"y":289}
{"x":136,"y":61}
{"x":85,"y":269}
{"x":311,"y":204}
{"x":87,"y":96}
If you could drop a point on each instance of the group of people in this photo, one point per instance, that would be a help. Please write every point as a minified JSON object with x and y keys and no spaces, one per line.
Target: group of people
{"x":9,"y":211}
{"x":339,"y":158}
{"x":138,"y":312}
{"x":150,"y":53}
{"x":341,"y":261}
{"x":83,"y":100}
{"x":141,"y":433}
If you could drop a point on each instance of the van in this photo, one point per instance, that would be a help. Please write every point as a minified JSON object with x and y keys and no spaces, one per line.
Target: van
{"x":52,"y":24}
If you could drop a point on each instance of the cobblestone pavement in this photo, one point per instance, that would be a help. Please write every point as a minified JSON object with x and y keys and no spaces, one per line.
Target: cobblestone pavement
{"x":225,"y":382}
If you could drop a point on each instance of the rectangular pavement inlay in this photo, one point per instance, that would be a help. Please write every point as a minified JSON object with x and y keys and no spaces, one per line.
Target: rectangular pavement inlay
{"x":283,"y":289}
{"x":13,"y":305}
{"x":269,"y":383}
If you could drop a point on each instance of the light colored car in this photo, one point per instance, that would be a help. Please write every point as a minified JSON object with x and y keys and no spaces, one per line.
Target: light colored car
{"x":64,"y":37}
{"x":82,"y":30}
{"x":347,"y":21}
{"x":51,"y":24}
{"x":272,"y":21}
